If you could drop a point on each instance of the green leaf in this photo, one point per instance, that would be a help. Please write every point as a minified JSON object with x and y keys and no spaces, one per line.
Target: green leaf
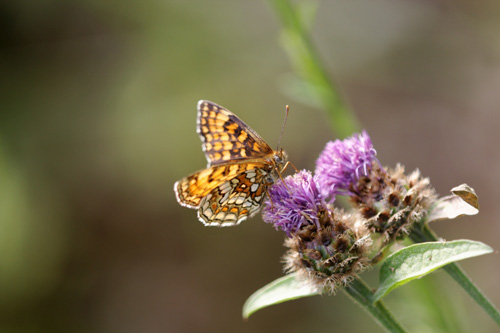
{"x":281,"y":290}
{"x":463,"y":201}
{"x":417,"y":260}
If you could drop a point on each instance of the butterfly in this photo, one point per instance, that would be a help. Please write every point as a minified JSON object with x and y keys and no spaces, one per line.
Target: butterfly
{"x":241,"y":167}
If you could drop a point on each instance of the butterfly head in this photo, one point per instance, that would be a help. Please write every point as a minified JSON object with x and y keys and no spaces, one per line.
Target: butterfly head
{"x":280,"y":159}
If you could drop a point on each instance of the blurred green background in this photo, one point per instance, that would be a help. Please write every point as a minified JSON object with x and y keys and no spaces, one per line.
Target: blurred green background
{"x":97,"y":121}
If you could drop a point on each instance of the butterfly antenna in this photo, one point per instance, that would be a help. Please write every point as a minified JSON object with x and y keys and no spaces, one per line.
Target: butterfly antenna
{"x":279,"y":142}
{"x":283,"y":127}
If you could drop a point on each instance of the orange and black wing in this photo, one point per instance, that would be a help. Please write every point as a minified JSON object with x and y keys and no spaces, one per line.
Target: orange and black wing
{"x":225,"y":137}
{"x":192,"y":189}
{"x":234,"y":200}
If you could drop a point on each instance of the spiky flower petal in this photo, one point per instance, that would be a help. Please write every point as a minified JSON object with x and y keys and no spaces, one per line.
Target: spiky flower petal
{"x":293,"y":203}
{"x":343,"y":162}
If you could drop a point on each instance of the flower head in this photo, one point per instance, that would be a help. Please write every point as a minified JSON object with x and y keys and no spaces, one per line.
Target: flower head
{"x":343,"y":163}
{"x":293,"y":203}
{"x":326,"y":246}
{"x":403,"y":200}
{"x":331,"y":255}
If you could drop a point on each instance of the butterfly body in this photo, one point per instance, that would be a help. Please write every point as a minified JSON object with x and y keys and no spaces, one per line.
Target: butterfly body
{"x":241,"y":167}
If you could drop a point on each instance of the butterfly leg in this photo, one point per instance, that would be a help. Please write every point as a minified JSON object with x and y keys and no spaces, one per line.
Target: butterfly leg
{"x":289,"y":163}
{"x":281,"y":176}
{"x":271,"y":199}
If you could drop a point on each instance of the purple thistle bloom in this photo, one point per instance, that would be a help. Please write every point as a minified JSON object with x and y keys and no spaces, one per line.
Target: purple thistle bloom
{"x":342,"y":163}
{"x":293,"y":203}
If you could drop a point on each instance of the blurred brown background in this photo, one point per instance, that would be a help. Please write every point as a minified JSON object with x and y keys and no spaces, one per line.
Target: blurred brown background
{"x":98,"y":108}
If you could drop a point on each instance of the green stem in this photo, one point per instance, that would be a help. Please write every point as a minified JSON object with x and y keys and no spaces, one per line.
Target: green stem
{"x":309,"y":67}
{"x":362,"y":294}
{"x":427,"y":235}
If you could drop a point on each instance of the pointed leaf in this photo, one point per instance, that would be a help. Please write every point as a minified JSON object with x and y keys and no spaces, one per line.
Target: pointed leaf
{"x":281,"y":290}
{"x":417,"y":260}
{"x":463,"y":201}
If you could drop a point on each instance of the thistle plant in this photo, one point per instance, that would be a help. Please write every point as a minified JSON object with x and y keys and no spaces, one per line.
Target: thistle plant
{"x":328,"y":248}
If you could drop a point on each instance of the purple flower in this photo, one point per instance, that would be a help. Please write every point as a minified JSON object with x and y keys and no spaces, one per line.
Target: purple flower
{"x":342,"y":163}
{"x":293,"y":203}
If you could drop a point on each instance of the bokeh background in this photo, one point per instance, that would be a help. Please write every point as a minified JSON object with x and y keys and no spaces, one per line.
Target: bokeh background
{"x":97,"y":121}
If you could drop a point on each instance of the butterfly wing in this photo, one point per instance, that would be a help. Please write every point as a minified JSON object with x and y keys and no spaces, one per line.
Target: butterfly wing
{"x":225,"y":137}
{"x":192,"y":189}
{"x":234,"y":200}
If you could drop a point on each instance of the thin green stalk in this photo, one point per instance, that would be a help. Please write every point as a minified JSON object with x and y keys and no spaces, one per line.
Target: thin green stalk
{"x":309,"y":68}
{"x":362,"y":294}
{"x":427,"y":235}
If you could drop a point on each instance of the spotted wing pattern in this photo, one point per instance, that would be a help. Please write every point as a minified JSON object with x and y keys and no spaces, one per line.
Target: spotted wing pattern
{"x":191,"y":190}
{"x":225,"y":137}
{"x":241,"y":167}
{"x":234,"y":200}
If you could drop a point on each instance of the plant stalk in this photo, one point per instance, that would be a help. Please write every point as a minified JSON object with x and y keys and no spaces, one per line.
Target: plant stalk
{"x":309,"y":67}
{"x":362,"y":294}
